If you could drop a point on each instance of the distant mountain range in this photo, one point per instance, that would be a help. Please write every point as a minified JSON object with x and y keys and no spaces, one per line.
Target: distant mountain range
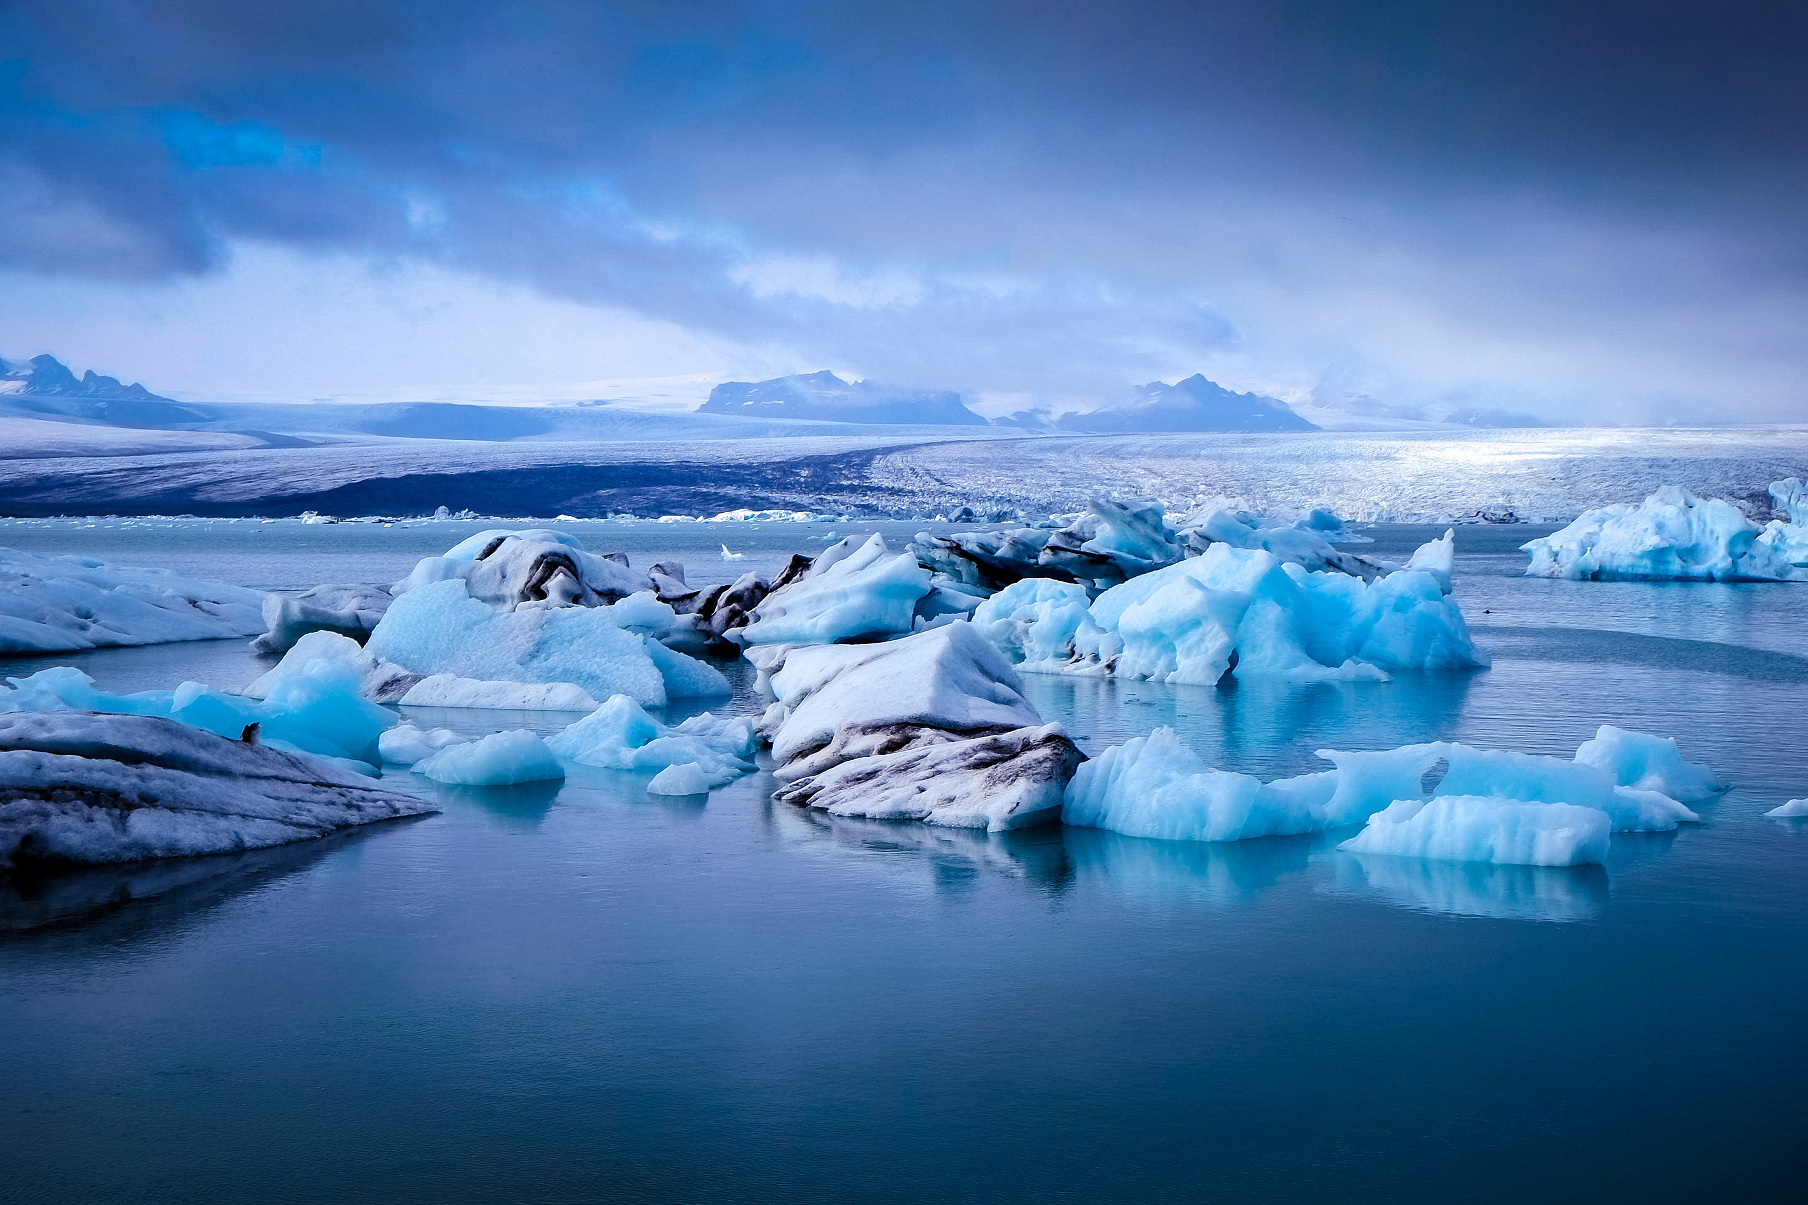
{"x":45,"y":386}
{"x":1194,"y":404}
{"x":825,"y":397}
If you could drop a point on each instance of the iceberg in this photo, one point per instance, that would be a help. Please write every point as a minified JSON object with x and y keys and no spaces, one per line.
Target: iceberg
{"x":316,"y":708}
{"x":1474,"y":828}
{"x":930,"y":727}
{"x":1236,"y":609}
{"x":1792,"y":810}
{"x":405,"y":744}
{"x":1648,"y":763}
{"x":687,"y":779}
{"x":449,"y":690}
{"x":620,"y":735}
{"x":1675,"y":536}
{"x":851,"y":591}
{"x":509,"y":569}
{"x":1155,"y":787}
{"x":81,"y":787}
{"x":68,"y":603}
{"x":346,"y":610}
{"x":378,"y":680}
{"x":502,"y":759}
{"x":438,"y":628}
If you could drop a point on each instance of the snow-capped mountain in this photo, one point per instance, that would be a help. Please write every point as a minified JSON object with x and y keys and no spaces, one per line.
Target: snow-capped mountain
{"x":1194,"y":404}
{"x":823,"y":396}
{"x":45,"y":386}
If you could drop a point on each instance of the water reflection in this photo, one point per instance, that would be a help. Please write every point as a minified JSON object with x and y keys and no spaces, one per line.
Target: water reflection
{"x":954,"y":857}
{"x":1143,"y":870}
{"x":135,"y":900}
{"x":520,"y":808}
{"x":1541,"y":893}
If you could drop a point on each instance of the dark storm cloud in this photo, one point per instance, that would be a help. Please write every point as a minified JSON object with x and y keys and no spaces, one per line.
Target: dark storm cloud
{"x":1003,"y":195}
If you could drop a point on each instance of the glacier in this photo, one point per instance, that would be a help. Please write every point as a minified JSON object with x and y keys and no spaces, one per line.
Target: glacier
{"x":1673,"y":535}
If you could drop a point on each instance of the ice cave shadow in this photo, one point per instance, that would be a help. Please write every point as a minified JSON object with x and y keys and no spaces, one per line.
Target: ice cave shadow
{"x":133,"y":901}
{"x":1475,"y":889}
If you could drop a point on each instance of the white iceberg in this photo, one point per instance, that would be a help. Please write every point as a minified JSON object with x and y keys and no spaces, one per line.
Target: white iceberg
{"x":346,"y":610}
{"x":931,"y":727}
{"x":405,"y":744}
{"x":440,"y":629}
{"x":852,"y":590}
{"x":1240,"y":609}
{"x":86,"y":787}
{"x":501,"y":759}
{"x":68,"y":603}
{"x":449,"y":690}
{"x":1474,"y":828}
{"x":620,"y":735}
{"x":1673,"y":535}
{"x":378,"y":680}
{"x":1792,"y":810}
{"x":537,"y":566}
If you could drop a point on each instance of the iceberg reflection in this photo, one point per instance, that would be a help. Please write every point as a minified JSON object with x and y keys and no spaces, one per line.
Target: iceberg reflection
{"x":1482,"y":889}
{"x":1145,"y":870}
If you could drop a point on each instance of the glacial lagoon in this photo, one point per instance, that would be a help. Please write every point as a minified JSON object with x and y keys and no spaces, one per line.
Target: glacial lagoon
{"x":581,"y":991}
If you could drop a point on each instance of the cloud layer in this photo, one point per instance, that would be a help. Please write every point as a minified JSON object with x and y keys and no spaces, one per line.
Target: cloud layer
{"x":1584,"y":210}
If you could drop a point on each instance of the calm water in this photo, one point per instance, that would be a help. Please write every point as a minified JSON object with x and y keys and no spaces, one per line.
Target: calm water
{"x":586,"y":993}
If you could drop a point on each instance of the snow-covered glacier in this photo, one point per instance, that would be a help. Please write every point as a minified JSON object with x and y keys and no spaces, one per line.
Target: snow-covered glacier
{"x":1673,"y":535}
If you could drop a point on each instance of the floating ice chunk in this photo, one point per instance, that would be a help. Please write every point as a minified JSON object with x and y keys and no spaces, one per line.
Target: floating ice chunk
{"x":1190,"y":622}
{"x":1648,"y":763}
{"x":68,"y":603}
{"x":686,"y":779}
{"x":441,"y":629}
{"x":1672,"y":535}
{"x":931,"y":727}
{"x":1791,"y":497}
{"x":998,"y":781}
{"x":851,"y":591}
{"x":1791,"y":810}
{"x":1154,"y":786}
{"x":405,"y":744}
{"x":379,"y":681}
{"x":1472,"y":828}
{"x":85,"y":787}
{"x":620,"y":735}
{"x":1438,"y":558}
{"x":499,"y":760}
{"x":317,"y":708}
{"x":727,"y":556}
{"x":347,"y":610}
{"x":448,"y":690}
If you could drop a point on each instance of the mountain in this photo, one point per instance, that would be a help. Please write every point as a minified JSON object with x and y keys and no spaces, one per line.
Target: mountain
{"x":824,"y":396}
{"x":45,"y":386}
{"x":1194,"y":404}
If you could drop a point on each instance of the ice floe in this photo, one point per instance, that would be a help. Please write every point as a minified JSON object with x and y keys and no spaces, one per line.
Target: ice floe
{"x":1155,"y":787}
{"x":76,"y":786}
{"x":68,"y":603}
{"x":1473,"y":828}
{"x":686,"y":779}
{"x":854,"y":589}
{"x":500,"y":759}
{"x":1794,"y":809}
{"x":1674,"y":535}
{"x":932,"y":726}
{"x":405,"y":744}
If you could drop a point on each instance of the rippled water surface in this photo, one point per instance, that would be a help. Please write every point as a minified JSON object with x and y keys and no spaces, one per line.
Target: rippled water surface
{"x":588,"y":993}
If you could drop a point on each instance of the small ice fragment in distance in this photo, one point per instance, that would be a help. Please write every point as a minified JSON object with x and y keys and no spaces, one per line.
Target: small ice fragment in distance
{"x":732,"y":556}
{"x":1793,"y":809}
{"x":686,"y":779}
{"x":498,"y":760}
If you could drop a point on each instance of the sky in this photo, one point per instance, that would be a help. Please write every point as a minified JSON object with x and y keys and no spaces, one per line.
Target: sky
{"x":1587,"y":212}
